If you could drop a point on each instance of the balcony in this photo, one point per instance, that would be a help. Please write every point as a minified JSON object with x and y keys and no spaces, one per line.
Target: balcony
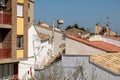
{"x":5,"y":18}
{"x":5,"y":53}
{"x":5,"y":43}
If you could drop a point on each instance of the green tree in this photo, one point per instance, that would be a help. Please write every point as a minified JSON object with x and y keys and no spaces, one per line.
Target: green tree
{"x":68,"y":27}
{"x":75,"y":26}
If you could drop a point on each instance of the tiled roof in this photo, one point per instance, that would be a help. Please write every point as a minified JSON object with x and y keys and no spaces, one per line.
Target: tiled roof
{"x":49,"y":28}
{"x":43,"y":36}
{"x":98,"y":44}
{"x":108,"y":61}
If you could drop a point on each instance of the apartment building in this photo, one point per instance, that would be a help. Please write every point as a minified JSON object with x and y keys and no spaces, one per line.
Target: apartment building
{"x":13,"y":36}
{"x":30,"y":12}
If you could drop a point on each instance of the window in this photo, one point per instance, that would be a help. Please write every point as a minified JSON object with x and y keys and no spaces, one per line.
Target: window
{"x":19,"y":10}
{"x":19,"y":41}
{"x":6,"y":71}
{"x":28,"y":5}
{"x":28,"y":19}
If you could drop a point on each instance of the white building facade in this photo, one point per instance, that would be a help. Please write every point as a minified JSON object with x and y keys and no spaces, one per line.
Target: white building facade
{"x":37,"y":54}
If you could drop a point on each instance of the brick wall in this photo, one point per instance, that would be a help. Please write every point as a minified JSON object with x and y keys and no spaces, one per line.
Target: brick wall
{"x":5,"y":43}
{"x":6,"y":38}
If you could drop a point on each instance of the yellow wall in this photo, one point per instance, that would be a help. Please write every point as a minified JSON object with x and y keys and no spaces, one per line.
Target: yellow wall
{"x":20,"y":26}
{"x":20,"y":53}
{"x":20,"y":1}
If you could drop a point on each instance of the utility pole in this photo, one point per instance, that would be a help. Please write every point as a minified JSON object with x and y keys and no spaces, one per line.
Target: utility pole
{"x":52,"y":39}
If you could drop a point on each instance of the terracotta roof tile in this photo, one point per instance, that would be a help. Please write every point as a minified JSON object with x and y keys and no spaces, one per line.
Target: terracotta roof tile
{"x":109,"y":61}
{"x":43,"y":36}
{"x":49,"y":28}
{"x":98,"y":44}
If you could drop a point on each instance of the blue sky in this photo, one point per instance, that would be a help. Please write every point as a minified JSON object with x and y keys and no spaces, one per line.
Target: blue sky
{"x":86,"y":13}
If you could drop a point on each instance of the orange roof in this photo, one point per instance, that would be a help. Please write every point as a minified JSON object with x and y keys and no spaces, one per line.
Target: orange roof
{"x":97,"y":44}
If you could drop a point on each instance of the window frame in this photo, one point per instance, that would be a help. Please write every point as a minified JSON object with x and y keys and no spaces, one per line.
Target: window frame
{"x":28,"y":5}
{"x":19,"y":41}
{"x":28,"y":19}
{"x":21,"y":13}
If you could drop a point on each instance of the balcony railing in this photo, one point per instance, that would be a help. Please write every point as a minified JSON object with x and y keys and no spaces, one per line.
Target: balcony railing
{"x":5,"y":18}
{"x":5,"y":53}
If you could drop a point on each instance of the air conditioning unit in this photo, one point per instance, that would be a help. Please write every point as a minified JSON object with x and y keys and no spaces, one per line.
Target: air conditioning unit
{"x":2,"y":3}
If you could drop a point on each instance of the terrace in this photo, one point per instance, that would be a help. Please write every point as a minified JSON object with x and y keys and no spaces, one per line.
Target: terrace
{"x":5,"y":12}
{"x":5,"y":43}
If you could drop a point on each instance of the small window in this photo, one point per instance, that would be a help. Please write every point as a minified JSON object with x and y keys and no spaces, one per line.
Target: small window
{"x":28,"y":5}
{"x":19,"y":41}
{"x":19,"y":10}
{"x":28,"y":19}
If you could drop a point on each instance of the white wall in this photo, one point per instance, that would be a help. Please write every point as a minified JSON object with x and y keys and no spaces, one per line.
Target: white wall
{"x":77,"y":48}
{"x":105,"y":39}
{"x":24,"y":66}
{"x":90,"y":71}
{"x":42,"y":54}
{"x":69,"y":65}
{"x":37,"y":53}
{"x":111,"y":41}
{"x":95,"y":38}
{"x":58,"y":38}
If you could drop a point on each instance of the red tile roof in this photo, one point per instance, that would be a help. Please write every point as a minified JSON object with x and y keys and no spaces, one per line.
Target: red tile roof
{"x":97,"y":44}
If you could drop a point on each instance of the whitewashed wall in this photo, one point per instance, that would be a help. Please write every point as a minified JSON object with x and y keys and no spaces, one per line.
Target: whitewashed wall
{"x":69,"y":65}
{"x":24,"y":66}
{"x":58,"y":37}
{"x":42,"y":55}
{"x":37,"y":53}
{"x":77,"y":48}
{"x":111,"y":41}
{"x":90,"y":71}
{"x":105,"y":39}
